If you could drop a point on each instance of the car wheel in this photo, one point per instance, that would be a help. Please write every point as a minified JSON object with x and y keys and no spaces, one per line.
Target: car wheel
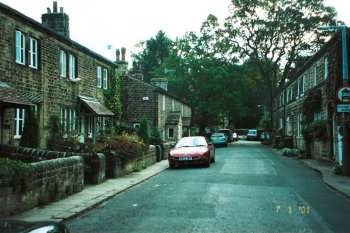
{"x":213,"y":159}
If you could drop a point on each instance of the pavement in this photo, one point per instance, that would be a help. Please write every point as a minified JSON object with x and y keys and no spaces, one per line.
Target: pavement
{"x":90,"y":197}
{"x":337,"y":182}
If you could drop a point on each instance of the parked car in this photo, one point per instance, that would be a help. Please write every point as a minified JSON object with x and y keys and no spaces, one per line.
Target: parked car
{"x":192,"y":150}
{"x":252,"y":134}
{"x":219,"y":139}
{"x":228,"y":134}
{"x":12,"y":226}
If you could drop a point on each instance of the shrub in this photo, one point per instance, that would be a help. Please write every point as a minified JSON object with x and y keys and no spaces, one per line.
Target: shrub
{"x":14,"y":174}
{"x":128,"y":146}
{"x":143,"y":131}
{"x":155,"y":138}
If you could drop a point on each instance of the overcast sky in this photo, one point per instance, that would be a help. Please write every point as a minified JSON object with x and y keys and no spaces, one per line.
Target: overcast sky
{"x":99,"y":23}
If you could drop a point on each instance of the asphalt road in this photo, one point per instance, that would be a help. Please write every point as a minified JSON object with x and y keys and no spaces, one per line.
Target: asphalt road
{"x":248,"y":189}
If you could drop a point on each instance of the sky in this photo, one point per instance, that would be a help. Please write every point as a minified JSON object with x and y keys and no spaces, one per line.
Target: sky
{"x":104,"y":25}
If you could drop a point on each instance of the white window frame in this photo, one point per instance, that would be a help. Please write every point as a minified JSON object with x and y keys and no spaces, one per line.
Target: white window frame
{"x":72,"y":71}
{"x":19,"y":122}
{"x":169,"y":129}
{"x":99,"y":76}
{"x":105,"y":78}
{"x":163,"y":103}
{"x":299,"y":119}
{"x":33,"y":53}
{"x":325,"y":68}
{"x":63,"y":64}
{"x":20,"y":42}
{"x":318,"y":116}
{"x":136,"y":125}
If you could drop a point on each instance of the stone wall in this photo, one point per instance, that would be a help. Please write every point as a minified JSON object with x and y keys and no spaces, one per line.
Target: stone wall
{"x":52,"y":180}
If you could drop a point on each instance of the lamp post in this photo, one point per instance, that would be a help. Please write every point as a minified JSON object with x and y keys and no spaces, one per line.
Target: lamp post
{"x":343,"y":131}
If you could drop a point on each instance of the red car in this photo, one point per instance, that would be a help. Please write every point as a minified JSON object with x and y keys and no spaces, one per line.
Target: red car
{"x":191,"y":150}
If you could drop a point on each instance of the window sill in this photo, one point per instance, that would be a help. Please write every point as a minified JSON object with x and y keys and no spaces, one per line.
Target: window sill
{"x":33,"y":67}
{"x":17,"y":137}
{"x":75,"y":80}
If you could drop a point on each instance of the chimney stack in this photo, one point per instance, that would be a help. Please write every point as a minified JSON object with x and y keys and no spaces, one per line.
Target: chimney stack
{"x":117,"y":55}
{"x":123,"y":49}
{"x":56,"y":21}
{"x":54,"y":7}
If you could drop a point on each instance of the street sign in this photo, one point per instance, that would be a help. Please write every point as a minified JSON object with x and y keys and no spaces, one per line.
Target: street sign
{"x":344,"y":94}
{"x":343,"y":108}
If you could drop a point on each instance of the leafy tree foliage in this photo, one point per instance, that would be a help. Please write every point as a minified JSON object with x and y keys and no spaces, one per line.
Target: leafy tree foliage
{"x":273,"y":34}
{"x":153,"y":53}
{"x":143,"y":131}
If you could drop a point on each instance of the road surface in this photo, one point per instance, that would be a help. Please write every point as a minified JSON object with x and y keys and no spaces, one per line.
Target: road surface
{"x":248,"y":189}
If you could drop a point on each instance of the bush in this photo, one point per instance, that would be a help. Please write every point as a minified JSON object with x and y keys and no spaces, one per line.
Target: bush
{"x":143,"y":131}
{"x":155,"y":138}
{"x":14,"y":174}
{"x":128,"y":146}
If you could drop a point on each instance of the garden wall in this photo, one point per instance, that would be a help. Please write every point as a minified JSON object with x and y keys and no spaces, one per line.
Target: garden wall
{"x":50,"y":180}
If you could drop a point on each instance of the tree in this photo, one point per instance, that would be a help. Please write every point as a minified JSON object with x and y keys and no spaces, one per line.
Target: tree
{"x":153,"y":53}
{"x":274,"y":34}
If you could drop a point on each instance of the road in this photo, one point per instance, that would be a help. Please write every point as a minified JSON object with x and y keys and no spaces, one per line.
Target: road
{"x":248,"y":189}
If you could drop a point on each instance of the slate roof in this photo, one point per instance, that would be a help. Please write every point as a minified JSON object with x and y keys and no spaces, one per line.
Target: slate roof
{"x":10,"y":95}
{"x":95,"y":106}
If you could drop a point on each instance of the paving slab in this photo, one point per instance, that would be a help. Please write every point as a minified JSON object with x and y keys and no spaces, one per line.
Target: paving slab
{"x":89,"y":197}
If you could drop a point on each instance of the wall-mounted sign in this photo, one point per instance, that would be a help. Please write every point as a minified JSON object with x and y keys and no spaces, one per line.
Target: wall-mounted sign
{"x":344,"y":94}
{"x":343,"y":108}
{"x":145,"y":98}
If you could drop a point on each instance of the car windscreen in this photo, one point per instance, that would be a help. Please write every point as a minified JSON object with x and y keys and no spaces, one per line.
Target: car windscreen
{"x":251,"y":131}
{"x":218,"y":135}
{"x":191,"y":141}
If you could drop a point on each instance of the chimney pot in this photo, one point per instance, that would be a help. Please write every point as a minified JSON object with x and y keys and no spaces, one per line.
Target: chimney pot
{"x":61,"y":9}
{"x":54,"y":7}
{"x":123,"y":49}
{"x":48,"y":10}
{"x":117,"y":55}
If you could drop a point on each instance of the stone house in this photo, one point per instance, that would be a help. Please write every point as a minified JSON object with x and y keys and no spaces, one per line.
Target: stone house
{"x":168,"y":113}
{"x":42,"y":69}
{"x":305,"y":109}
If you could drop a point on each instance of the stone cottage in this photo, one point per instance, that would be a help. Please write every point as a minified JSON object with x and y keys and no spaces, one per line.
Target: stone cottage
{"x":305,"y":109}
{"x":168,"y":113}
{"x":42,"y":69}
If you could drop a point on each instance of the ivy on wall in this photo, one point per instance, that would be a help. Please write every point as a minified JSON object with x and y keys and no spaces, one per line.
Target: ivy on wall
{"x":112,"y":95}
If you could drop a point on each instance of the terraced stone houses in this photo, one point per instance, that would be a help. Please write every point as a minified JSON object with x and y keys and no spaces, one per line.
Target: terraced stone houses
{"x":319,"y":79}
{"x":42,"y":69}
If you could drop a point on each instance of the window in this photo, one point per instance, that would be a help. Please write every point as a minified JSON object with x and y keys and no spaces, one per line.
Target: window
{"x":20,"y":48}
{"x":163,"y":103}
{"x":90,"y":122}
{"x":288,"y":126}
{"x":136,"y":125}
{"x":317,"y":116}
{"x":313,"y":75}
{"x":19,"y":122}
{"x":99,"y":76}
{"x":301,"y":86}
{"x":299,"y":119}
{"x":68,"y":120}
{"x":172,"y":105}
{"x":33,"y":53}
{"x":170,"y":133}
{"x":325,"y":68}
{"x":72,"y":71}
{"x":105,"y":79}
{"x":63,"y":64}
